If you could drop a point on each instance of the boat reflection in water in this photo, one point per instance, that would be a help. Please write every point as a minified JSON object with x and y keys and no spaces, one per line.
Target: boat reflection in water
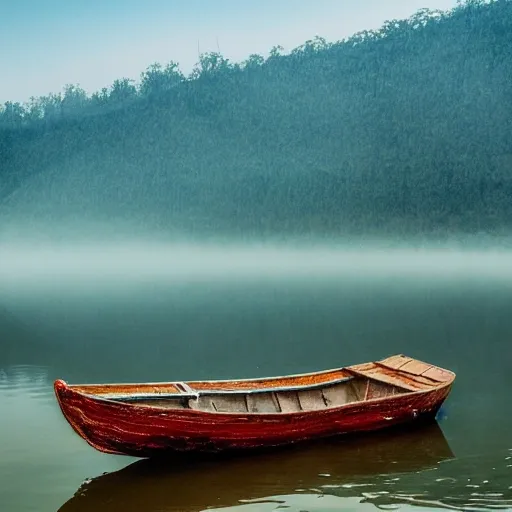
{"x":193,"y":483}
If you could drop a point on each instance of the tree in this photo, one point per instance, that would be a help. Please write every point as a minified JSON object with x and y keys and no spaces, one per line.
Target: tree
{"x":13,"y":114}
{"x":51,"y":106}
{"x":209,"y":65}
{"x":157,"y":79}
{"x":122,"y":90}
{"x":74,"y":100}
{"x":254,"y":61}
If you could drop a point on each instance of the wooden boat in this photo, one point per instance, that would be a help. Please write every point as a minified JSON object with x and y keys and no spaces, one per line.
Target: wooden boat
{"x":194,"y":482}
{"x":146,"y":420}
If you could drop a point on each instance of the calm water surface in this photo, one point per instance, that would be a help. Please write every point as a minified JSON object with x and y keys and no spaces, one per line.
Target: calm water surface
{"x":84,"y":324}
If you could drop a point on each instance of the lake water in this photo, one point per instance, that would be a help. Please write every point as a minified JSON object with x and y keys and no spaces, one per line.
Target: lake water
{"x":96,"y":316}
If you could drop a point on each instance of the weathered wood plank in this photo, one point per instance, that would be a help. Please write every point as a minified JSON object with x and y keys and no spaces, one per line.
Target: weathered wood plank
{"x":381,"y":390}
{"x":312,"y":400}
{"x":203,"y":403}
{"x":437,"y":374}
{"x":264,"y":402}
{"x":415,"y":367}
{"x":288,"y":401}
{"x":167,"y":404}
{"x":410,"y":384}
{"x":274,"y":382}
{"x":340,"y":394}
{"x":396,"y":362}
{"x":230,"y":403}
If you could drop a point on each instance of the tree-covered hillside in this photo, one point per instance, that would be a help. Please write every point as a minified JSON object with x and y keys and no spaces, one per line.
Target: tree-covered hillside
{"x":405,"y":128}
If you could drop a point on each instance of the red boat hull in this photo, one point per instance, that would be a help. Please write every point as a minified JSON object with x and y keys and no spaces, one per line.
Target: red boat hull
{"x":120,"y":428}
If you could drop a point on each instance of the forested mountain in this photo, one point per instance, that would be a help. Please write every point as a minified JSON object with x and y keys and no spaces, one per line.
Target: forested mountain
{"x":404,"y":128}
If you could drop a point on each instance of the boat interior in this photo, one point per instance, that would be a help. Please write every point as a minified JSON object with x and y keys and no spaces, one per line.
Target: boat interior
{"x":274,"y":400}
{"x":308,"y":392}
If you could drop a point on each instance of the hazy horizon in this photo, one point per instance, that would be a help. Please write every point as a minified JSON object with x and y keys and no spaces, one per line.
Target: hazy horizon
{"x":105,"y":264}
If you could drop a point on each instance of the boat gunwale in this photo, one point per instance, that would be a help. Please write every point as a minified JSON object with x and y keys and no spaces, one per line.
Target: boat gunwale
{"x":270,"y":415}
{"x":212,"y":381}
{"x":242,"y":391}
{"x":253,"y":379}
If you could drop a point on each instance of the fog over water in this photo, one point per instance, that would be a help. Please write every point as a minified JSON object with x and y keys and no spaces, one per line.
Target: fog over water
{"x":61,"y":263}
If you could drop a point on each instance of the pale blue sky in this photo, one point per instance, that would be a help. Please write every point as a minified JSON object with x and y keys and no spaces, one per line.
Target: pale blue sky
{"x":45,"y":44}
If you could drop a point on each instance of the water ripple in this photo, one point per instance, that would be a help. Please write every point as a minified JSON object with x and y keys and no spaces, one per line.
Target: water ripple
{"x":25,"y":381}
{"x":481,"y":483}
